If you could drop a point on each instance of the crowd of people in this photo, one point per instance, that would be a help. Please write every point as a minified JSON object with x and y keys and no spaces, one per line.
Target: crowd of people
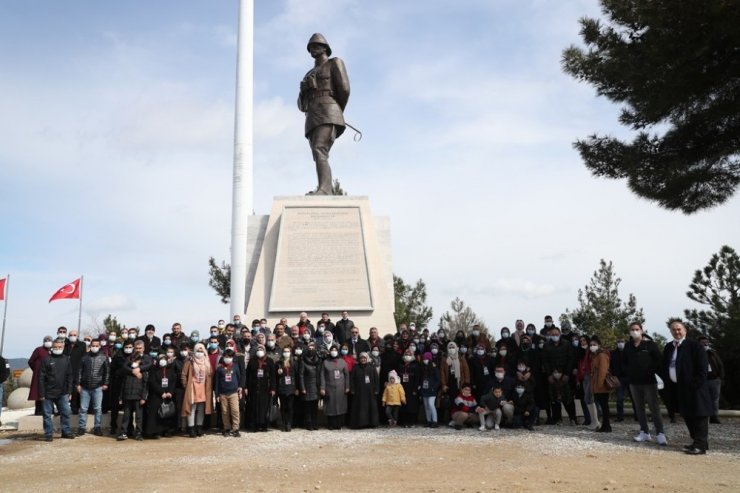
{"x":253,"y":378}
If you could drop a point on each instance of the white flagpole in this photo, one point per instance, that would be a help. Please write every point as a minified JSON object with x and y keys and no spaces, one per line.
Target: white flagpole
{"x":242,"y":199}
{"x":5,"y":312}
{"x":79,"y":316}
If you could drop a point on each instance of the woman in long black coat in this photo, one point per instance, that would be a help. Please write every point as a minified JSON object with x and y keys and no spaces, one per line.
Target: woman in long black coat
{"x":410,"y":375}
{"x":364,"y":389}
{"x":162,"y":381}
{"x":309,"y":385}
{"x":261,"y":388}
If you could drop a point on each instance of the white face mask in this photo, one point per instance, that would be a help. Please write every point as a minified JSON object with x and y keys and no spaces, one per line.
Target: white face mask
{"x":375,"y":353}
{"x":47,"y":344}
{"x":228,"y":360}
{"x":480,"y":352}
{"x":298,"y":352}
{"x":435,"y":351}
{"x":286,"y":354}
{"x":132,"y":336}
{"x":200,"y":355}
{"x":634,"y":334}
{"x":594,"y":349}
{"x":112,"y":338}
{"x":72,"y":338}
{"x":408,"y":358}
{"x":163,"y":362}
{"x":452,"y":351}
{"x":620,"y":345}
{"x":333,"y":354}
{"x":502,"y":352}
{"x":271,"y":344}
{"x":519,"y":390}
{"x":426,"y":361}
{"x":260,"y":354}
{"x":128,"y":350}
{"x":500,"y":375}
{"x":184,"y":354}
{"x":95,"y":349}
{"x":57,"y":352}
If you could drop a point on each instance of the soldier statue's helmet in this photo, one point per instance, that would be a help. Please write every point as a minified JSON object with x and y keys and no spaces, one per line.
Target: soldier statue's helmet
{"x":319,"y":38}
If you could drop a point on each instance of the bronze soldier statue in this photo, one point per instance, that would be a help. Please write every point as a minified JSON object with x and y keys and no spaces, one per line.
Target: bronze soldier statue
{"x":323,"y":97}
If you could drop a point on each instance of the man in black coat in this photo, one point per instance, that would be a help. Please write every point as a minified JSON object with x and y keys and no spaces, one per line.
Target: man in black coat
{"x":55,"y":388}
{"x":356,"y":344}
{"x":150,"y":340}
{"x":343,"y":329}
{"x":685,"y":368}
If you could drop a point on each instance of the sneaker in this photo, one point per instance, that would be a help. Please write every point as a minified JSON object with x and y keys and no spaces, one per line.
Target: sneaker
{"x":97,"y":432}
{"x":482,"y":428}
{"x":122,"y":437}
{"x":69,"y":436}
{"x":451,"y":424}
{"x":642,"y":437}
{"x":660,"y":439}
{"x":496,"y":427}
{"x":236,"y":434}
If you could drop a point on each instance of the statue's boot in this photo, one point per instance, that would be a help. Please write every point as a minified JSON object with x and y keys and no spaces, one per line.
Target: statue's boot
{"x":325,"y":182}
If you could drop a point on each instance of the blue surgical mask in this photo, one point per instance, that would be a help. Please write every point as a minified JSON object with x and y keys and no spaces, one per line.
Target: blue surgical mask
{"x":118,"y":345}
{"x":194,"y":339}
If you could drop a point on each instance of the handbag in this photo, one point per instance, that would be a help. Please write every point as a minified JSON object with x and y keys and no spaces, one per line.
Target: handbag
{"x":166,"y":409}
{"x":611,"y":382}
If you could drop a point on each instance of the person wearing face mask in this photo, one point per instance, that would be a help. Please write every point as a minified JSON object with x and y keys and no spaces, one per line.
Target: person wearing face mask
{"x":357,"y":344}
{"x":525,"y":410}
{"x":478,"y":337}
{"x":459,"y":338}
{"x":34,"y":363}
{"x":518,"y":331}
{"x":121,"y":351}
{"x":642,"y":360}
{"x":506,"y":358}
{"x":55,"y":389}
{"x":323,"y":348}
{"x":161,"y":384}
{"x":182,"y":354}
{"x":599,"y":370}
{"x":228,"y":389}
{"x":429,"y":388}
{"x":75,"y":349}
{"x":150,"y":340}
{"x":506,"y":341}
{"x":92,"y":381}
{"x":558,"y":356}
{"x":334,"y":387}
{"x":454,"y":371}
{"x":616,"y":368}
{"x":197,"y":380}
{"x":481,"y":371}
{"x":582,"y":389}
{"x":715,"y":375}
{"x":272,"y":349}
{"x":343,"y":328}
{"x":549,"y":325}
{"x":305,"y":325}
{"x":285,"y":376}
{"x":260,"y":389}
{"x":308,"y":382}
{"x":364,"y":388}
{"x":531,"y":332}
{"x":195,"y":338}
{"x":134,"y":391}
{"x":409,"y":374}
{"x":176,"y":335}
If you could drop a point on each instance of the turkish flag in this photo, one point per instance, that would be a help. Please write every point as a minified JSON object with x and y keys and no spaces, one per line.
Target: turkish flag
{"x":67,"y":292}
{"x":2,"y":288}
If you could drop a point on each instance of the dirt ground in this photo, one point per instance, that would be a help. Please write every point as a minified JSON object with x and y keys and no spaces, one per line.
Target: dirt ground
{"x":569,"y":459}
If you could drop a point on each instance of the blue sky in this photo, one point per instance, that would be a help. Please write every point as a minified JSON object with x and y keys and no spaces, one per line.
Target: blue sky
{"x":116,"y":141}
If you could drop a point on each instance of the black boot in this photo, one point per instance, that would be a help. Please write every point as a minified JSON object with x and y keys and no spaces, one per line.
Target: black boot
{"x":191,"y":432}
{"x":199,"y":431}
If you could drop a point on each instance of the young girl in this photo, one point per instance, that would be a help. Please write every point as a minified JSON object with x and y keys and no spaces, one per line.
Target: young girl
{"x":429,"y":388}
{"x":393,"y":398}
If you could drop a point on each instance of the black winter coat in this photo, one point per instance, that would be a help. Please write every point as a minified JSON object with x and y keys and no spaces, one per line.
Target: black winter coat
{"x":56,"y":377}
{"x":559,"y":356}
{"x":641,"y":362}
{"x":691,"y":375}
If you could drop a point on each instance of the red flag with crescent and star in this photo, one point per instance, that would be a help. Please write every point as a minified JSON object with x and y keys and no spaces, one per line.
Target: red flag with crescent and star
{"x":67,"y":292}
{"x":2,"y":288}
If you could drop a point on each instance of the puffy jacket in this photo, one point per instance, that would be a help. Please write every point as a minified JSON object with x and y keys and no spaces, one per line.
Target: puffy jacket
{"x":94,"y":371}
{"x":559,"y":357}
{"x":56,"y":377}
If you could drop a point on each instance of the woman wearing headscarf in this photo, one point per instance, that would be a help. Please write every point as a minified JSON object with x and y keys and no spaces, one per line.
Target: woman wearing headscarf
{"x":260,"y":388}
{"x":34,"y":363}
{"x":453,"y":372}
{"x":309,"y":385}
{"x":197,"y":380}
{"x":410,"y":379}
{"x":334,"y":387}
{"x":364,"y":388}
{"x":161,"y":388}
{"x":285,"y":375}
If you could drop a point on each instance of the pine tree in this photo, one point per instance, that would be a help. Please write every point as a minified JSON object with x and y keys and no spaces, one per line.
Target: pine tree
{"x":674,"y":66}
{"x":601,"y":311}
{"x":462,"y":318}
{"x":220,"y":279}
{"x":410,"y":303}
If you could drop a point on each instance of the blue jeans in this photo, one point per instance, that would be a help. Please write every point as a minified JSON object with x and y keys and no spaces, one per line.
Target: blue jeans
{"x":429,"y":410}
{"x":62,"y":403}
{"x":97,"y":398}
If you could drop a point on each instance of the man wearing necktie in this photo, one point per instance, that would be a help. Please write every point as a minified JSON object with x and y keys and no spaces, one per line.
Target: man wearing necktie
{"x":685,"y":367}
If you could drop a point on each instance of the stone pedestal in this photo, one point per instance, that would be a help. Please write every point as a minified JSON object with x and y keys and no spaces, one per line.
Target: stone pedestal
{"x":320,"y":254}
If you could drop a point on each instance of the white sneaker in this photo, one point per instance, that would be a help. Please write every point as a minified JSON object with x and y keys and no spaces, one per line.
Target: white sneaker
{"x":482,"y":428}
{"x":496,"y":427}
{"x":661,"y":440}
{"x":642,"y":437}
{"x":451,"y":424}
